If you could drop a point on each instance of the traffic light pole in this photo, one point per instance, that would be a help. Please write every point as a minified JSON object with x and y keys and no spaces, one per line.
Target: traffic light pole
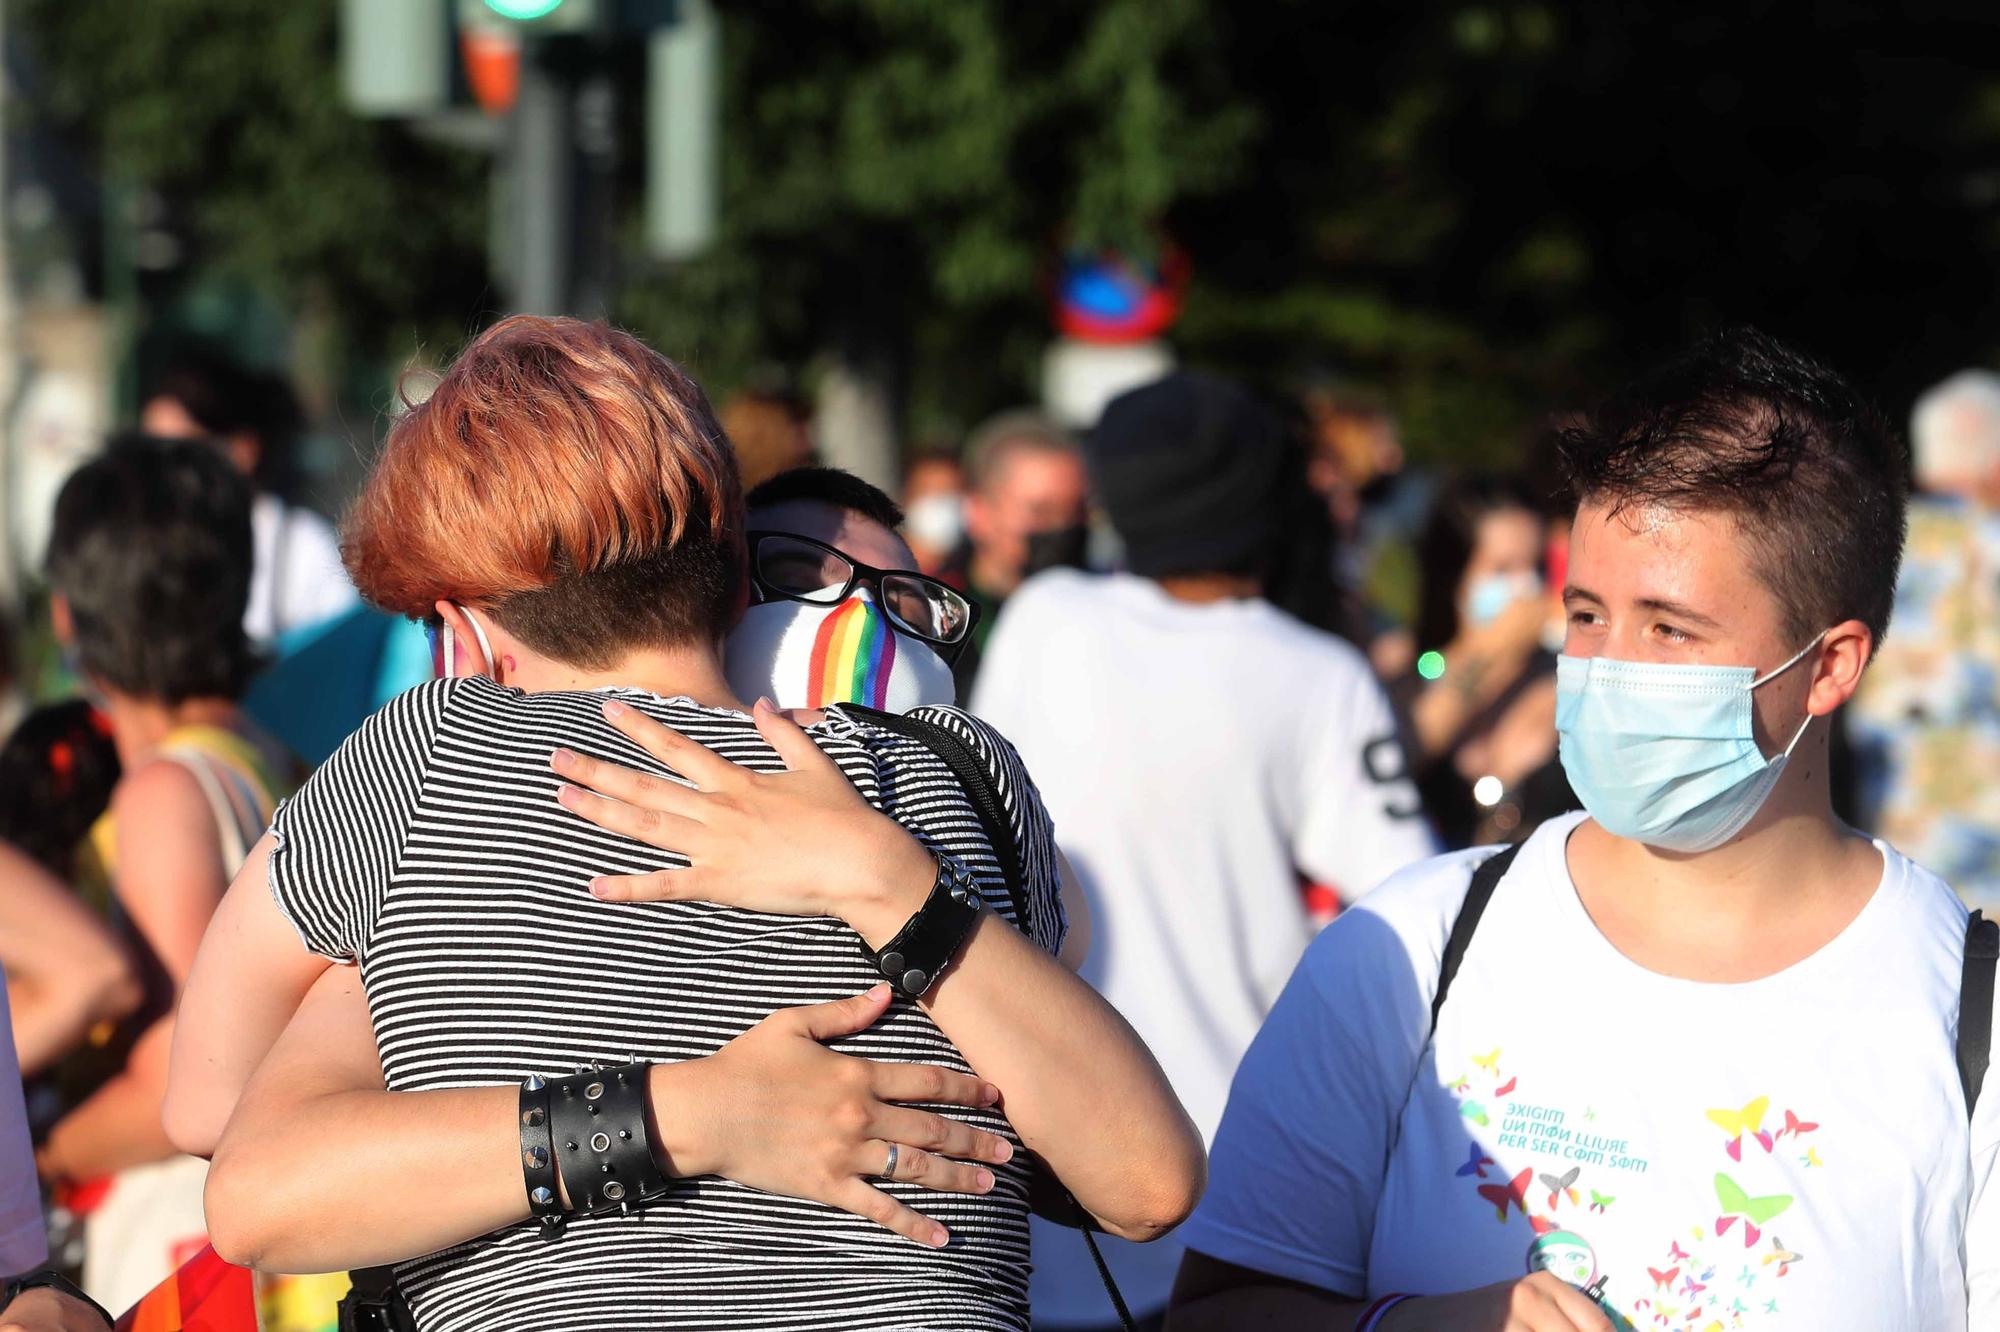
{"x":544,"y":182}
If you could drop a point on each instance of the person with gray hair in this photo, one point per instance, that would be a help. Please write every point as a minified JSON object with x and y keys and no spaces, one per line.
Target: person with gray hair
{"x":1027,"y":509}
{"x":1926,"y":724}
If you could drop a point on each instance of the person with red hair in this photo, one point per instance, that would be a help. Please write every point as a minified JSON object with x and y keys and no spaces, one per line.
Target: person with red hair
{"x":565,"y":510}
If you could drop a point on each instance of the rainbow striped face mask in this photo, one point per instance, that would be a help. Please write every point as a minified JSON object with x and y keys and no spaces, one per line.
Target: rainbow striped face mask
{"x":800,"y":655}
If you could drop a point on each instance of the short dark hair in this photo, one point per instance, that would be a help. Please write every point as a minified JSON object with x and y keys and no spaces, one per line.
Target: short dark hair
{"x":1742,"y":424}
{"x":224,"y":397}
{"x":830,"y":486}
{"x":1445,"y":545}
{"x":56,"y":774}
{"x":151,"y":548}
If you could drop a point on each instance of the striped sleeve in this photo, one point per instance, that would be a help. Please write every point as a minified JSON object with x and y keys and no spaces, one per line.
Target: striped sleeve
{"x":1034,"y":831}
{"x":338,"y":841}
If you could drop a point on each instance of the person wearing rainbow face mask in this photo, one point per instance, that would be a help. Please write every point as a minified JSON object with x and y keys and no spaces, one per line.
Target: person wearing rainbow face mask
{"x":1703,"y":1031}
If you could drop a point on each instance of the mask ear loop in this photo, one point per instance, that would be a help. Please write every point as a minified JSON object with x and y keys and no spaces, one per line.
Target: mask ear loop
{"x":1797,"y":657}
{"x":451,"y":643}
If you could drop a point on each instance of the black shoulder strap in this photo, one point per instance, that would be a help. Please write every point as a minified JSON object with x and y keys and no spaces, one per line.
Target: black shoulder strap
{"x":1484,"y":880}
{"x":1975,"y":1005}
{"x":972,"y":776}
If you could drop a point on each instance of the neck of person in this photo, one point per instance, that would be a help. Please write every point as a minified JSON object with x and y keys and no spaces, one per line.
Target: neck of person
{"x":989,"y":578}
{"x":1201,"y":589}
{"x":1774,"y":894}
{"x":139,"y":725}
{"x":672,"y":672}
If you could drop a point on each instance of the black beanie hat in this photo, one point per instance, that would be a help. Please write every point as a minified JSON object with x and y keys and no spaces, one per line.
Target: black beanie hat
{"x":1188,"y":467}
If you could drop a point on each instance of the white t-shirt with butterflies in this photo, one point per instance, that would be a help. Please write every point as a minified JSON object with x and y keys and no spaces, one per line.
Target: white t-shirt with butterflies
{"x":1785,"y":1154}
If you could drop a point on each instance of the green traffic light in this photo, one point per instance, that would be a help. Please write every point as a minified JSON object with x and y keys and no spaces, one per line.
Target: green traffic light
{"x":524,"y":9}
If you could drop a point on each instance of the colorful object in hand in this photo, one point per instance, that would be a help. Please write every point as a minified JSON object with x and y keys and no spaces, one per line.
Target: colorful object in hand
{"x":852,"y":656}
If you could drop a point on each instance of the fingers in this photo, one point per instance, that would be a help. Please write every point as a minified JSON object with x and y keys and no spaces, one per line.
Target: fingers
{"x":701,"y":765}
{"x":935,"y":1133}
{"x":781,"y":733}
{"x":869,"y":1202}
{"x":1546,"y":1303}
{"x":928,"y":1084}
{"x":842,"y":1017}
{"x":646,"y":790}
{"x":928,"y":1170}
{"x":674,"y":885}
{"x":647,"y":822}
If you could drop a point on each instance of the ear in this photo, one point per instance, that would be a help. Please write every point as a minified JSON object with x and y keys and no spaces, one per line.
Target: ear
{"x":244,"y":451}
{"x":61,"y":620}
{"x":466,"y":658}
{"x":1843,"y":656}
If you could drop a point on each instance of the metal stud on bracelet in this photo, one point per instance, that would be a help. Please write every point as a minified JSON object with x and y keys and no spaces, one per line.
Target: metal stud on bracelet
{"x":600,"y":1119}
{"x":538,"y":1149}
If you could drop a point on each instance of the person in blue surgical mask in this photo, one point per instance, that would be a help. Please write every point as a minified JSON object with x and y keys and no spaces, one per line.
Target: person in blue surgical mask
{"x":1718,"y":1052}
{"x":1479,"y":701}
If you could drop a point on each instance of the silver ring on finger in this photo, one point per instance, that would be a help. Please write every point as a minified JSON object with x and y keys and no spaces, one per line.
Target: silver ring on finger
{"x":889,"y":1166}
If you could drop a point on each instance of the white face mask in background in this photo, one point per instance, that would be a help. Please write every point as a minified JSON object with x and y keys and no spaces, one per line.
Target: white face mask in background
{"x":800,"y":655}
{"x":936,"y":521}
{"x":1488,"y":596}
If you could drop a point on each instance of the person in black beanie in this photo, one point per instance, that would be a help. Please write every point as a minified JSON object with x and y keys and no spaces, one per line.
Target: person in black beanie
{"x":1219,"y":770}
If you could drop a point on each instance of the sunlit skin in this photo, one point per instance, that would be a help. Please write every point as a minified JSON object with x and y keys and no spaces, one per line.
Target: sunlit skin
{"x":1034,"y":490}
{"x":1649,"y":584}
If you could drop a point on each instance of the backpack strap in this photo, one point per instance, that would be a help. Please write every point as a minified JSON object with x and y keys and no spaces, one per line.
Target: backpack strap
{"x":1484,"y":880}
{"x":973,"y":777}
{"x":1975,"y":1005}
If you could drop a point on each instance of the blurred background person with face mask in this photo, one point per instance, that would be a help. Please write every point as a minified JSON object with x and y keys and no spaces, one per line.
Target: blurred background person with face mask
{"x":1479,"y":699}
{"x":1028,"y":510}
{"x":934,"y":505}
{"x":1926,"y":722}
{"x":297,"y":581}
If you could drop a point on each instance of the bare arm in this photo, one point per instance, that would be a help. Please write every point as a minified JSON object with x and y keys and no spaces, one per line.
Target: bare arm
{"x":66,"y":971}
{"x":247,"y":979}
{"x":1081,"y":1089}
{"x":303,"y":1178}
{"x":1213,"y":1296}
{"x":1076,"y":944}
{"x":169,"y":878}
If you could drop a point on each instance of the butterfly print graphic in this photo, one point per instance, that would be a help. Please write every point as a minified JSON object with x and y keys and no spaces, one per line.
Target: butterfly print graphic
{"x":1754,"y":1213}
{"x":1476,"y":1164}
{"x":1782,"y":1256}
{"x":1558,"y":1186}
{"x":1796,"y":1126}
{"x":1736,"y":1123}
{"x":1513,"y":1193}
{"x":1598,"y":1202}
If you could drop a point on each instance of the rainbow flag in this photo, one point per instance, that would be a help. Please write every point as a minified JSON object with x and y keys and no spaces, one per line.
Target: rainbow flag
{"x":206,"y":1294}
{"x":851,"y":657}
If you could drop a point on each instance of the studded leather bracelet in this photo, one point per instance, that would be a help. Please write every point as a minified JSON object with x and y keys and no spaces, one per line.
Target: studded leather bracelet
{"x":923,"y":948}
{"x":538,"y":1158}
{"x":598,"y":1122}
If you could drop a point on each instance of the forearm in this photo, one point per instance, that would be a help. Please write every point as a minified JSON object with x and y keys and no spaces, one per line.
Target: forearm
{"x":335,"y":1179}
{"x":117,"y":1127}
{"x":1267,"y":1309}
{"x":1079,"y":1086}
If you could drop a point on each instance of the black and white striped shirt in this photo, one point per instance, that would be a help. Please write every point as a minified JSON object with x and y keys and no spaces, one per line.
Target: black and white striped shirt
{"x":431,"y":848}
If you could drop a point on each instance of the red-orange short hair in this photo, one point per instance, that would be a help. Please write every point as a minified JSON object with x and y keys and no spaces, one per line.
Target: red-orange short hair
{"x":566,"y":478}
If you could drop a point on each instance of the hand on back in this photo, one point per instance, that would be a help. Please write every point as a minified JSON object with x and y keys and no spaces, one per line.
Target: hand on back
{"x":1539,"y":1303}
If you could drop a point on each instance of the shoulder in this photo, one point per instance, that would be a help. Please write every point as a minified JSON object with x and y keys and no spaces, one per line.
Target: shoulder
{"x":156,"y":794}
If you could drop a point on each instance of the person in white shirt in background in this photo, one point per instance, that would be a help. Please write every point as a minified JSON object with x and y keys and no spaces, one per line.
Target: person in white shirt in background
{"x":298,"y":580}
{"x":1206,"y":759}
{"x":1699,"y":1066}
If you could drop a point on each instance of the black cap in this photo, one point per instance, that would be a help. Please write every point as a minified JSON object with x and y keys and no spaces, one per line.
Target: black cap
{"x":1188,"y":467}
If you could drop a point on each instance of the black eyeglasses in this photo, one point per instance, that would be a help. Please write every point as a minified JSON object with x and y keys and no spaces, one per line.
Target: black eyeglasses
{"x":800,"y":569}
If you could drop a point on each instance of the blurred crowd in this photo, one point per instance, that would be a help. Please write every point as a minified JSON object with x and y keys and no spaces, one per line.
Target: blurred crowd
{"x":1253,"y":658}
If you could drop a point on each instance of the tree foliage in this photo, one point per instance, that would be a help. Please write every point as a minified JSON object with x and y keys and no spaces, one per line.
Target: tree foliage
{"x":1489,"y":209}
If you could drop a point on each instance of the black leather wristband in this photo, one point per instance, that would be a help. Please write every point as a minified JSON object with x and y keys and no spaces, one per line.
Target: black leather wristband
{"x":50,"y":1279}
{"x":538,"y":1157}
{"x":599,"y":1121}
{"x":926,"y":945}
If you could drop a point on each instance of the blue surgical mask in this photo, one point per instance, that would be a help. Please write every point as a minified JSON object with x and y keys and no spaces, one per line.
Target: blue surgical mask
{"x":1488,"y":596}
{"x":1666,"y":754}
